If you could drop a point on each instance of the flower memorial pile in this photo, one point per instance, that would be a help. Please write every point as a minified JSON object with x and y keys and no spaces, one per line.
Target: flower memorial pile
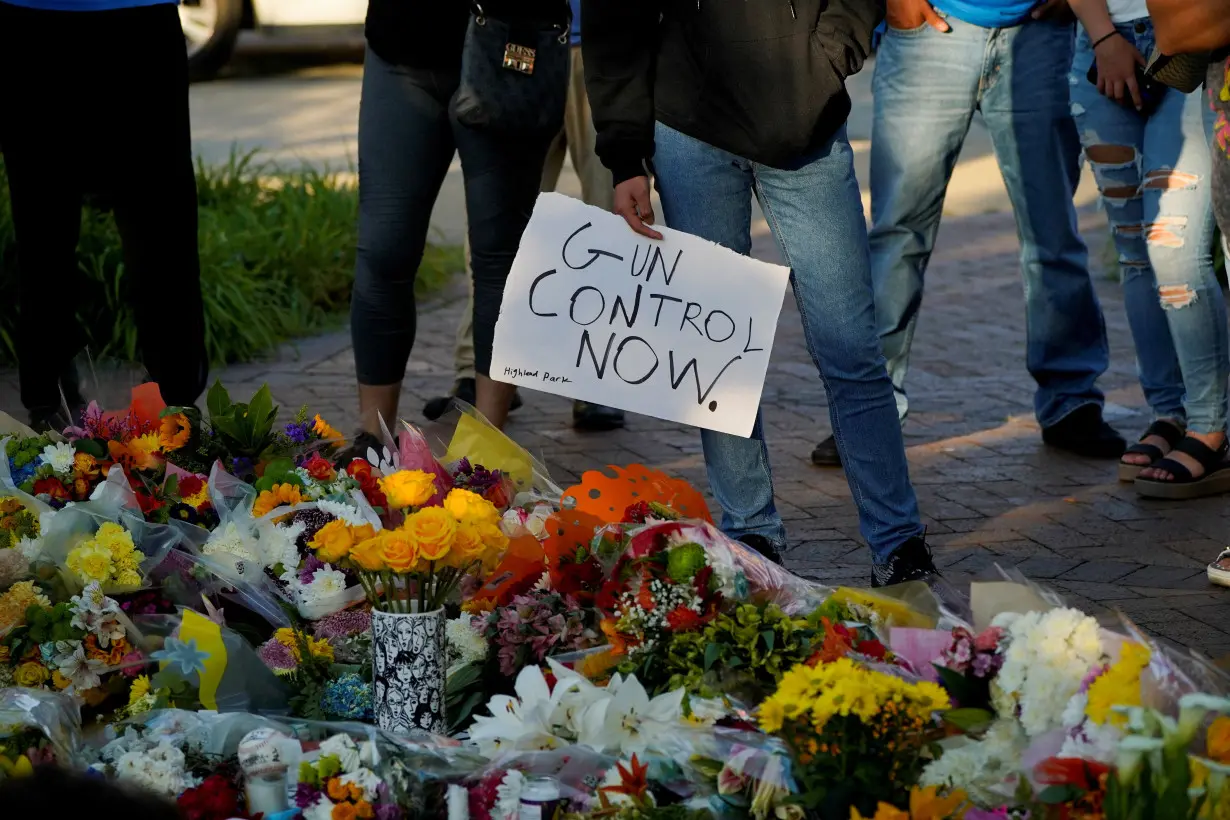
{"x":236,"y":613}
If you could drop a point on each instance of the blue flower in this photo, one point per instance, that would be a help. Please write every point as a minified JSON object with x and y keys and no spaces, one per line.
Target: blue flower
{"x":347,"y":698}
{"x":186,"y":656}
{"x":299,"y":432}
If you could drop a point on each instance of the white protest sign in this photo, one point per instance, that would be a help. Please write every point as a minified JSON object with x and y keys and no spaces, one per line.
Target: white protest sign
{"x":680,"y":329}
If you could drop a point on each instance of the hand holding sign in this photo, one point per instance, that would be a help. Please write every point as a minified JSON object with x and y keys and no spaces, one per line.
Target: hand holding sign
{"x":680,"y":329}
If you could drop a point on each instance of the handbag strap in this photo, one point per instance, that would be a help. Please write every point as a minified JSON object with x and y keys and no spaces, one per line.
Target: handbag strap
{"x":481,"y":17}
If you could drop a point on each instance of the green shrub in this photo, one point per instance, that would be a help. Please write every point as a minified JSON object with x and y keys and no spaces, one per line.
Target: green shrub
{"x":277,"y":261}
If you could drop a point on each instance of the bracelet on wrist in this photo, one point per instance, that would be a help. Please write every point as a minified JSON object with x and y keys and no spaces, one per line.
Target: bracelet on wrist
{"x":1103,"y":39}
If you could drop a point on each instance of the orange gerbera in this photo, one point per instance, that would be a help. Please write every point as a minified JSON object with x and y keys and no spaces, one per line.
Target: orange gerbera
{"x":280,"y":495}
{"x":174,"y":431}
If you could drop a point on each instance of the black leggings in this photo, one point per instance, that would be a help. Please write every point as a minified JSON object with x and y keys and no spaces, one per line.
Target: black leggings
{"x":406,"y":143}
{"x":97,"y":102}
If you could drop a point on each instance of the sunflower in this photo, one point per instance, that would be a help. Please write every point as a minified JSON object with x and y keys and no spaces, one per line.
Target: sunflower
{"x":174,"y":431}
{"x":281,"y":494}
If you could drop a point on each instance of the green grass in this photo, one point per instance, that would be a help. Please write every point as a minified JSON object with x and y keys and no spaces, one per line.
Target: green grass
{"x":277,"y":262}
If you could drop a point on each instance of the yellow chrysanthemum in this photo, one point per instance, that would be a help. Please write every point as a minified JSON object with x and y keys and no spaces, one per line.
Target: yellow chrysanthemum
{"x":1118,"y":685}
{"x":15,"y":602}
{"x":318,"y":647}
{"x":90,"y":562}
{"x":280,"y":495}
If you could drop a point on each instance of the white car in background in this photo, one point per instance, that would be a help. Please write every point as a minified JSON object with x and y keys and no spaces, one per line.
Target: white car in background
{"x":212,"y":26}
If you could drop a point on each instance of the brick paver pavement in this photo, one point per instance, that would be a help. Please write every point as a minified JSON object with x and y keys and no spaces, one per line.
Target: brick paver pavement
{"x":991,"y":493}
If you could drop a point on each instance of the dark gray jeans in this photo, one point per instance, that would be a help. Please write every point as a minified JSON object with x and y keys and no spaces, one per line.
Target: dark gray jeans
{"x":406,"y":143}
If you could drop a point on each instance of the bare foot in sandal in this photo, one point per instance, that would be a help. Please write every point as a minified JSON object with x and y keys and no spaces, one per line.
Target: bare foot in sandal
{"x":1155,"y":444}
{"x":1213,"y":441}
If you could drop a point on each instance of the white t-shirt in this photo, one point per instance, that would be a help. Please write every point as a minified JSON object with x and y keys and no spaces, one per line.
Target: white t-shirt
{"x":1124,"y":11}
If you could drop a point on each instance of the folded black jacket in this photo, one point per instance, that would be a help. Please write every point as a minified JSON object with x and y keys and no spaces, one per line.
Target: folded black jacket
{"x":763,"y":79}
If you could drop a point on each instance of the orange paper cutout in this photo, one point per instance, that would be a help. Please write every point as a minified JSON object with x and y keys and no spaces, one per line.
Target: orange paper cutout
{"x":608,"y":497}
{"x":145,"y":407}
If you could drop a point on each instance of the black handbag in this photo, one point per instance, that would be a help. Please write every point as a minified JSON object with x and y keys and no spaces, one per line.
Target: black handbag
{"x":1182,"y":72}
{"x":514,"y":76}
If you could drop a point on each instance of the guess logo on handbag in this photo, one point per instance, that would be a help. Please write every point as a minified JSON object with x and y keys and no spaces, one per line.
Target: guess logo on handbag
{"x":519,"y":58}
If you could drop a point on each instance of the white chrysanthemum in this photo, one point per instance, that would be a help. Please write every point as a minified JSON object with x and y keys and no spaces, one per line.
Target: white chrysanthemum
{"x":326,"y":583}
{"x":1049,"y":654}
{"x":31,"y":548}
{"x":160,"y":770}
{"x":987,"y":769}
{"x":508,"y":796}
{"x":229,"y":539}
{"x":464,"y":640}
{"x":364,"y":779}
{"x":322,"y":809}
{"x":278,"y":543}
{"x":344,"y":512}
{"x":59,"y":457}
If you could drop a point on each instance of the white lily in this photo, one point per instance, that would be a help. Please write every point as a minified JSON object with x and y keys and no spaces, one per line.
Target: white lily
{"x":576,"y":698}
{"x":522,"y":722}
{"x":630,"y":722}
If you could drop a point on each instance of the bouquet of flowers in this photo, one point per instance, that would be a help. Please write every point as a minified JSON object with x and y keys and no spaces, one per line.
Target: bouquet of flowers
{"x":854,"y":733}
{"x":37,"y":729}
{"x":418,"y":565}
{"x":342,"y":785}
{"x":969,"y":664}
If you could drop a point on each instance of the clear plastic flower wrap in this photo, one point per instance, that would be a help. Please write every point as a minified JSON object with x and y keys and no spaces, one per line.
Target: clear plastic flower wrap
{"x":105,"y":539}
{"x":38,"y":728}
{"x":201,"y":664}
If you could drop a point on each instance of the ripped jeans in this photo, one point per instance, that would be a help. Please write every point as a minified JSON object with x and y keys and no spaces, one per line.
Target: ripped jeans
{"x":1154,"y":176}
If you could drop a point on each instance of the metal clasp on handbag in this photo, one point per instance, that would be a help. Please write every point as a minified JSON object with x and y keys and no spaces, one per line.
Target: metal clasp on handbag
{"x":516,"y":57}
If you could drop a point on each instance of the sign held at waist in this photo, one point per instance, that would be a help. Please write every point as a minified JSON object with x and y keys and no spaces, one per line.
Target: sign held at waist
{"x":680,"y":329}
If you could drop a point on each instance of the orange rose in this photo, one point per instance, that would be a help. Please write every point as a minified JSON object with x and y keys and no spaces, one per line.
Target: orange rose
{"x":433,"y":529}
{"x":400,"y":552}
{"x":332,"y":542}
{"x":344,"y":811}
{"x":368,"y":554}
{"x":336,"y":789}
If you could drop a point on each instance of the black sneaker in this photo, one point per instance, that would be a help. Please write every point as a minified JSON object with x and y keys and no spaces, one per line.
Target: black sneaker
{"x":467,"y":391}
{"x":910,"y":562}
{"x":825,"y":454}
{"x":763,"y":546}
{"x":1085,"y":433}
{"x":596,"y":417}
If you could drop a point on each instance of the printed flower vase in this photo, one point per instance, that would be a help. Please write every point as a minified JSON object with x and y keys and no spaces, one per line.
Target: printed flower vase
{"x":409,"y":658}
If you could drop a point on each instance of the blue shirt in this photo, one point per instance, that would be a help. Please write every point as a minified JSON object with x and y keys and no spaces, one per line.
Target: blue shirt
{"x":988,"y":13}
{"x":86,"y":5}
{"x":576,"y":22}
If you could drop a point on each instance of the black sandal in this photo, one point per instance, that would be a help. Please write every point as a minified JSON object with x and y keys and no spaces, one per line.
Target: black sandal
{"x":1216,"y":478}
{"x":1161,"y":428}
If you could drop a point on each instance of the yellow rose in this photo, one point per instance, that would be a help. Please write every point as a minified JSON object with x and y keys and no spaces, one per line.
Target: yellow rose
{"x":471,"y":507}
{"x":399,"y":551}
{"x":90,"y":562}
{"x":332,"y":542}
{"x":369,"y":553}
{"x":468,"y":544}
{"x":408,"y":488}
{"x":32,"y":674}
{"x":433,"y":529}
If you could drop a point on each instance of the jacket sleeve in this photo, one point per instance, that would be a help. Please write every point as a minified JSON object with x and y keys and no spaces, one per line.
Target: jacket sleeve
{"x":619,"y":44}
{"x":847,"y":29}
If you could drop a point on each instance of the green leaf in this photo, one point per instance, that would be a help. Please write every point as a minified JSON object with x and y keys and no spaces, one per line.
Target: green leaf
{"x":218,"y":401}
{"x":769,"y":638}
{"x":968,"y":720}
{"x":1054,"y":795}
{"x":91,"y":447}
{"x":711,"y":655}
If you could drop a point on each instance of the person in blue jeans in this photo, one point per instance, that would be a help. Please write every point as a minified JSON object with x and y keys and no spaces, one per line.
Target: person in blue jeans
{"x":1149,"y":150}
{"x":725,"y":100}
{"x":1009,"y":60}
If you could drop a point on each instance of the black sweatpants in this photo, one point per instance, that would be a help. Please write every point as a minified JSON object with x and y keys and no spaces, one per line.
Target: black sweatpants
{"x":97,"y":102}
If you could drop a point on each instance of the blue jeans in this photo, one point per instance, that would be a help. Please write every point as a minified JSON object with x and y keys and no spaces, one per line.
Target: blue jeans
{"x":927,"y":87}
{"x":1154,"y":175}
{"x":816,"y":216}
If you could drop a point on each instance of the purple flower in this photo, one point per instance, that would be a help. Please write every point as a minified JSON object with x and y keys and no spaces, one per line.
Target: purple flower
{"x":277,"y":656}
{"x":310,"y":565}
{"x":299,"y":432}
{"x":388,"y":811}
{"x":306,"y":795}
{"x":343,"y":624}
